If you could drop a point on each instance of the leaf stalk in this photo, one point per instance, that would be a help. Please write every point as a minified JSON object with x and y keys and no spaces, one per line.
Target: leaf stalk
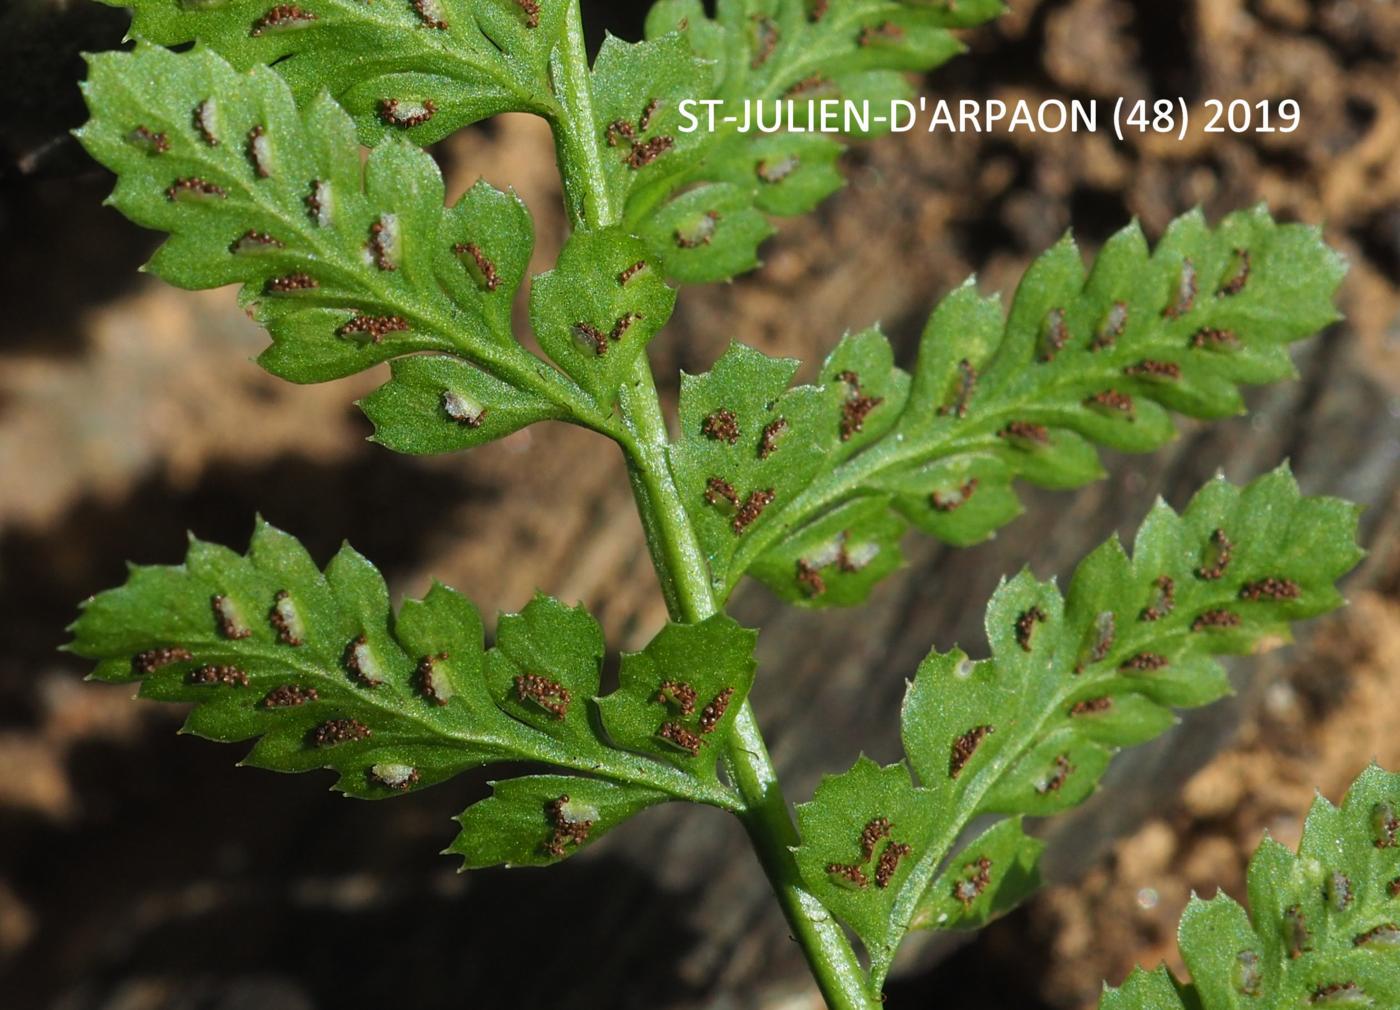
{"x":681,"y":565}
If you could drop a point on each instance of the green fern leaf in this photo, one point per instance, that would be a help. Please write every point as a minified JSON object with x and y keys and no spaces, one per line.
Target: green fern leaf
{"x":1071,"y":680}
{"x":317,"y":668}
{"x":698,"y":195}
{"x":597,"y":310}
{"x":1083,"y":359}
{"x":437,"y":64}
{"x":1326,"y":920}
{"x":346,"y":267}
{"x":1148,"y":991}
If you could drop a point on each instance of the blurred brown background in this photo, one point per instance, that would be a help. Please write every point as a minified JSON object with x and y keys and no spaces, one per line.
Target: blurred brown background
{"x":139,"y":870}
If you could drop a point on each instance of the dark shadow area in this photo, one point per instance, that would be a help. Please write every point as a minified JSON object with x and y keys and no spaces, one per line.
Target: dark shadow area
{"x":48,"y":288}
{"x":342,"y":903}
{"x":1165,"y":34}
{"x":385,"y":505}
{"x":623,"y":19}
{"x":76,"y":253}
{"x":999,"y":970}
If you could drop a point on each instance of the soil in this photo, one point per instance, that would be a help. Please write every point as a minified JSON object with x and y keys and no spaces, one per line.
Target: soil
{"x":142,"y":870}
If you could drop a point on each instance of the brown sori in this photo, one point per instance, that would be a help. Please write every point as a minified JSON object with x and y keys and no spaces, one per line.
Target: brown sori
{"x":194,"y":188}
{"x":1105,"y":633}
{"x":258,"y":153}
{"x":1091,"y":706}
{"x":289,"y":696}
{"x":430,"y":13}
{"x":889,"y":863}
{"x":393,"y":112}
{"x":721,"y":426}
{"x":1222,"y":549}
{"x":592,"y":337}
{"x":254,"y":242}
{"x":382,"y":239}
{"x":766,"y":36}
{"x":1185,"y":299}
{"x":1054,"y":335}
{"x":376,"y":328}
{"x":291,"y":282}
{"x":227,"y":618}
{"x":153,"y":659}
{"x":203,"y":117}
{"x":676,"y":734}
{"x":487,"y":275}
{"x":888,"y":31}
{"x":964,"y":747}
{"x":701,"y":233}
{"x":1386,"y":935}
{"x":977,"y":876}
{"x":1164,"y":602}
{"x":1235,"y":283}
{"x":338,"y":731}
{"x":1299,"y":937}
{"x":284,"y":619}
{"x":624,"y":323}
{"x":549,"y":695}
{"x":952,"y":502}
{"x":717,"y":489}
{"x":620,"y":130}
{"x":1211,"y":338}
{"x":1026,"y":431}
{"x":1113,"y":326}
{"x":678,"y":693}
{"x":1213,"y":620}
{"x":812,"y":83}
{"x":1112,"y":401}
{"x":149,"y":140}
{"x":1271,"y":589}
{"x":566,"y":831}
{"x":753,"y":507}
{"x":1386,"y":826}
{"x":714,"y":711}
{"x":318,"y":202}
{"x":359,"y":663}
{"x":772,"y":434}
{"x":857,"y":406}
{"x":809,"y":577}
{"x":644,"y":153}
{"x":1340,"y":993}
{"x":425,"y":679}
{"x":1149,"y":369}
{"x":853,"y":876}
{"x":1025,"y":627}
{"x":281,"y":17}
{"x":873,"y":833}
{"x":1144,"y":662}
{"x":1063,"y":770}
{"x":399,"y":783}
{"x":229,"y":676}
{"x":1339,"y":892}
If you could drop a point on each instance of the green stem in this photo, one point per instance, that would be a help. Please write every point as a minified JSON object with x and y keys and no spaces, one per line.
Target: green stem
{"x":681,"y":565}
{"x":586,"y":194}
{"x":675,"y":550}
